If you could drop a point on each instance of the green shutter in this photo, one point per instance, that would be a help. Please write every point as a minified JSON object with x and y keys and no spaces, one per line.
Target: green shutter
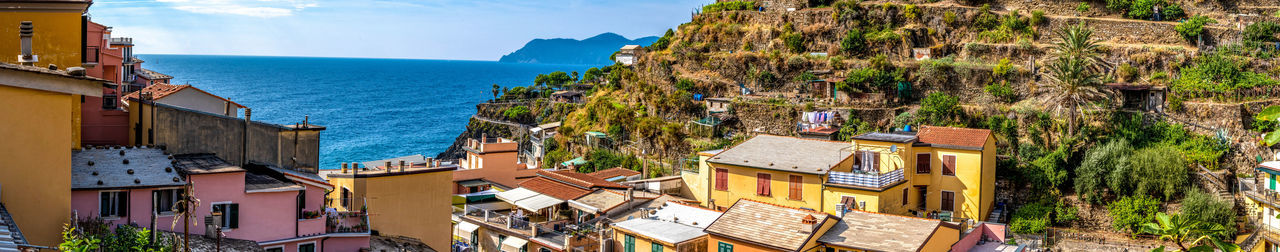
{"x":656,"y":247}
{"x":1273,"y":181}
{"x":629,"y":245}
{"x":724,"y":247}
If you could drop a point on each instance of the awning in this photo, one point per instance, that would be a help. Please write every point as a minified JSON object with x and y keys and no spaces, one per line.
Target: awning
{"x":575,"y":162}
{"x":465,"y":229}
{"x":583,"y":206}
{"x":514,"y":195}
{"x":538,"y":202}
{"x":473,"y":182}
{"x":513,"y":244}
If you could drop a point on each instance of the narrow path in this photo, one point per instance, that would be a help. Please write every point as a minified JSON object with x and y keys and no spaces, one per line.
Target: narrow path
{"x":488,"y":120}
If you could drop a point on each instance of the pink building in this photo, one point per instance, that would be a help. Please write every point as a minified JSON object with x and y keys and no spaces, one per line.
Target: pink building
{"x":103,"y":120}
{"x":142,"y":186}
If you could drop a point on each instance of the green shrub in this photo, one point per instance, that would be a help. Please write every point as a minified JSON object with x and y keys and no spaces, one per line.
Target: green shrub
{"x":1082,"y":8}
{"x":1037,"y":17}
{"x":1118,"y":5}
{"x":1002,"y":68}
{"x":939,"y":108}
{"x":1091,"y":176}
{"x":664,"y":41}
{"x":949,"y":18}
{"x":1213,"y":74}
{"x":1192,"y":28}
{"x":1031,"y":218}
{"x":1264,"y":31}
{"x":684,"y":84}
{"x":887,"y":35}
{"x":853,"y":42}
{"x":1151,"y":171}
{"x":911,"y":12}
{"x":1126,"y":72}
{"x":729,"y":6}
{"x":794,"y":42}
{"x":1130,"y":212}
{"x":1143,"y":9}
{"x":1065,"y":213}
{"x":518,"y":113}
{"x":1173,"y":11}
{"x":1001,"y":91}
{"x":1207,"y":208}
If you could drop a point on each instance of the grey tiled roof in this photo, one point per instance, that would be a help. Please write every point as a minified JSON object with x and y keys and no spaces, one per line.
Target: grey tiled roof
{"x":786,"y":154}
{"x":9,"y":230}
{"x":887,"y":137}
{"x":880,"y":232}
{"x":763,"y":223}
{"x":204,"y":163}
{"x":103,"y":168}
{"x":261,"y":177}
{"x":153,"y":75}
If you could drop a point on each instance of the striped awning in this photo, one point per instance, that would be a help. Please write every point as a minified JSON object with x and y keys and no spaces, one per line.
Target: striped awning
{"x":514,"y":195}
{"x":538,"y":202}
{"x":513,"y":244}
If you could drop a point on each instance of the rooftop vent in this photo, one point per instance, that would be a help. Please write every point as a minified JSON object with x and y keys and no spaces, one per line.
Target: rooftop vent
{"x":25,"y":31}
{"x":809,"y":219}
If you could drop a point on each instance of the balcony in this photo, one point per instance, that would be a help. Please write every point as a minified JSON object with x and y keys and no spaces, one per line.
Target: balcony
{"x":122,"y":41}
{"x":347,"y":222}
{"x":556,"y":231}
{"x":863,"y":180}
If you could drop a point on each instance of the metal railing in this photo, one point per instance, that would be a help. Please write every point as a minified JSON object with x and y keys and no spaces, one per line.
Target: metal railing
{"x":347,"y":222}
{"x":872,"y":180}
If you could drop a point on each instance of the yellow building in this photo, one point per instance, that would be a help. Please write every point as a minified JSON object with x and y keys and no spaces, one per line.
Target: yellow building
{"x":750,"y":226}
{"x":59,"y":34}
{"x":1263,"y":204}
{"x":786,"y":171}
{"x":406,"y":201}
{"x":948,"y":170}
{"x":867,"y":231}
{"x":38,"y":126}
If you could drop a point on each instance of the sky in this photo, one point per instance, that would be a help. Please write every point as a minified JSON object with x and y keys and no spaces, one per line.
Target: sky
{"x":422,"y":29}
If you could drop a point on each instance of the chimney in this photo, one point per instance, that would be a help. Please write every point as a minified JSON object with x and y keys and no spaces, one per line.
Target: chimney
{"x":429,"y":163}
{"x":344,"y":167}
{"x":244,"y":149}
{"x":401,"y":165}
{"x":840,"y":210}
{"x":387,"y":166}
{"x":25,"y":30}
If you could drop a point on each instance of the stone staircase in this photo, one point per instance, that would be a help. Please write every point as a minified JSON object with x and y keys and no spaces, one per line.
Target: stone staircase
{"x":7,"y":243}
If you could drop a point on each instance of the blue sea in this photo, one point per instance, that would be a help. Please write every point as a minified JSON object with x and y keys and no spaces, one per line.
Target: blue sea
{"x":373,"y":108}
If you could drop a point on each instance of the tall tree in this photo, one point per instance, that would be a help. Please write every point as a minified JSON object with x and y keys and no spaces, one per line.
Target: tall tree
{"x":496,"y":90}
{"x":1074,"y":79}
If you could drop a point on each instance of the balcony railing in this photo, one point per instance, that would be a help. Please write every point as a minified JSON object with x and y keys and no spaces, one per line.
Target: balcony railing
{"x":504,"y":220}
{"x":868,"y":180}
{"x":347,"y":222}
{"x":1265,"y":196}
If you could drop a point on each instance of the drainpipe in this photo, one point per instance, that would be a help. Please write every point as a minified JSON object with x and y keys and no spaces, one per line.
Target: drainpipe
{"x":244,"y":151}
{"x":295,"y":223}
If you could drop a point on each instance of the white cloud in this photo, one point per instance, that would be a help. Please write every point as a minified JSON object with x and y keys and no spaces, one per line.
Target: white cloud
{"x":253,"y":8}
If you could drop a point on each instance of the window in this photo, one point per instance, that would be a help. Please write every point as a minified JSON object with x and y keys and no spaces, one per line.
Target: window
{"x":543,"y":250}
{"x":656,"y":247}
{"x":906,"y":193}
{"x":724,"y":247}
{"x":109,"y":101}
{"x":722,"y":179}
{"x":870,"y":161}
{"x":795,"y":189}
{"x":762,"y":184}
{"x":276,"y":249}
{"x":230,"y":215}
{"x":923,"y":201}
{"x":164,"y":200}
{"x":307,"y":247}
{"x":346,"y":199}
{"x":948,"y":201}
{"x":922,"y":163}
{"x":850,"y":203}
{"x":113,"y":204}
{"x":949,"y":165}
{"x":302,"y":202}
{"x":629,"y":245}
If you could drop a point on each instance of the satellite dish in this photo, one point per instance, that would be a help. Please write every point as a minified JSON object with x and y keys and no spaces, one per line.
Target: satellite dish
{"x":893,"y":148}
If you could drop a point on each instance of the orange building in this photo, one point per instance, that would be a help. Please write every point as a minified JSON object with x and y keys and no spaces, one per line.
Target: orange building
{"x":490,"y":162}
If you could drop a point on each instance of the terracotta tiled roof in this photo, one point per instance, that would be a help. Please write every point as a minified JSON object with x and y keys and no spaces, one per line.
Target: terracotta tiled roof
{"x":954,"y":136}
{"x":160,"y":90}
{"x":554,"y":189}
{"x":613,"y":173}
{"x":581,"y":180}
{"x":780,"y":227}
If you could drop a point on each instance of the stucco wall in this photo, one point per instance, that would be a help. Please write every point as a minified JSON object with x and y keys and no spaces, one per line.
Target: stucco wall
{"x":188,"y":131}
{"x":56,"y":39}
{"x":412,"y":205}
{"x":35,"y":159}
{"x":742,"y":185}
{"x":86,"y":204}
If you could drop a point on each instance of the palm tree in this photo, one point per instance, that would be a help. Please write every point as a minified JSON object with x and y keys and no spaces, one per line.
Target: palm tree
{"x":1076,"y":41}
{"x":496,"y":89}
{"x":1072,"y":86}
{"x":1187,"y":232}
